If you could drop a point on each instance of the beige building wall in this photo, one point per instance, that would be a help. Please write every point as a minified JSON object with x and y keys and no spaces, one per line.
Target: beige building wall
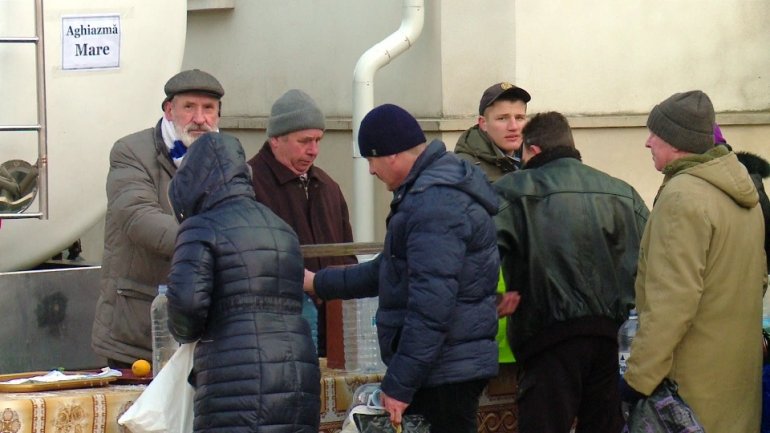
{"x":603,"y":63}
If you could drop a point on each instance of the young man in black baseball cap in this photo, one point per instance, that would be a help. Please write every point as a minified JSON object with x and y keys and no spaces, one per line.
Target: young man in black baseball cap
{"x":494,"y":143}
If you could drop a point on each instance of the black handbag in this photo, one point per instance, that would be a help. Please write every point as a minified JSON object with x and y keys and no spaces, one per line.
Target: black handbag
{"x":381,"y":424}
{"x":663,"y":412}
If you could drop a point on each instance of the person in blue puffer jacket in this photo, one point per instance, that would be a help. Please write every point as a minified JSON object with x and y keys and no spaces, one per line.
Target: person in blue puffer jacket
{"x":235,"y":286}
{"x":436,"y":277}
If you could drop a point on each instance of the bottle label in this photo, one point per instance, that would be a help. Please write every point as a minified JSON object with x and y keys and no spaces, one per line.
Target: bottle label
{"x":623,"y":361}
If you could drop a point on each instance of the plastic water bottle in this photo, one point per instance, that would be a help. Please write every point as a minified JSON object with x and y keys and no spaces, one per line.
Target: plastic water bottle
{"x":369,"y":358}
{"x":350,"y":334}
{"x":359,"y":332}
{"x":362,"y":347}
{"x":766,"y":311}
{"x":310,"y":314}
{"x":163,"y":343}
{"x":626,"y":335}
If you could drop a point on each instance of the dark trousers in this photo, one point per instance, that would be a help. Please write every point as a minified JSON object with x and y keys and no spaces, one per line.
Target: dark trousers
{"x":449,"y":408}
{"x":575,"y":378}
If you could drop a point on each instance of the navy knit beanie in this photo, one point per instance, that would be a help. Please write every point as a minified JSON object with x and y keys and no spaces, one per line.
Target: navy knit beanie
{"x":387,"y":130}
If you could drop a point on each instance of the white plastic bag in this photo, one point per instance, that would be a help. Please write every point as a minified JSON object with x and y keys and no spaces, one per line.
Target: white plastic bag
{"x":349,"y":426}
{"x":166,"y":405}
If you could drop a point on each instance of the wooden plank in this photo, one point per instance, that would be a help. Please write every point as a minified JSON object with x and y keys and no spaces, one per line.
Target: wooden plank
{"x":341,"y":249}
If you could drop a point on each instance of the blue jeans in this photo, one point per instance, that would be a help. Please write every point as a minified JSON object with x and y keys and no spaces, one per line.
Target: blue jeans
{"x":449,"y":408}
{"x":310,"y":314}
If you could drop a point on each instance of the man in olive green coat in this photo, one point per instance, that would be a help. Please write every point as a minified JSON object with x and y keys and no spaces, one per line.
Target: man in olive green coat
{"x":701,"y":274}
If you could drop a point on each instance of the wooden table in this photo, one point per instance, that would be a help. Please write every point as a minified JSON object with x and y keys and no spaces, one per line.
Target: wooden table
{"x":337,"y":388}
{"x":96,"y":410}
{"x":497,"y":407}
{"x":498,"y":412}
{"x":93,"y":410}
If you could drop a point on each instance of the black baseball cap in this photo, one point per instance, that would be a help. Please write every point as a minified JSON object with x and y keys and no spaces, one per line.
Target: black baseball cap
{"x":496,"y":91}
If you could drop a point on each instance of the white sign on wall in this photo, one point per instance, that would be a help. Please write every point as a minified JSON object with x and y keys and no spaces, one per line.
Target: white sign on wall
{"x":90,"y":42}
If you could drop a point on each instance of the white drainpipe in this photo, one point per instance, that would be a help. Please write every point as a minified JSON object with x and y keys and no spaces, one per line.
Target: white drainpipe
{"x":363,"y":101}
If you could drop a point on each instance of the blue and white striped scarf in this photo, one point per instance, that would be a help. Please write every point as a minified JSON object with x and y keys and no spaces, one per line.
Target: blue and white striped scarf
{"x":176,"y":149}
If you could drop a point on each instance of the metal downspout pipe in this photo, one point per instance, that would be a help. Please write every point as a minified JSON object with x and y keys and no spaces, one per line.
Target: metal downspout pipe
{"x":368,"y":64}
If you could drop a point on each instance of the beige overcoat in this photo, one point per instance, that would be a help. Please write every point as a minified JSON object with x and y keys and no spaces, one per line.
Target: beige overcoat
{"x":699,"y":291}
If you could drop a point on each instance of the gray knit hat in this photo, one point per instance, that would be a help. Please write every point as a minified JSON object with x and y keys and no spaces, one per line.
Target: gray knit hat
{"x":685,"y":121}
{"x":294,"y":111}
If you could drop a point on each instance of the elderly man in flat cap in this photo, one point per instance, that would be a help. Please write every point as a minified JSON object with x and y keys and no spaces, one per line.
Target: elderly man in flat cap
{"x":287,"y":181}
{"x":140,"y":229}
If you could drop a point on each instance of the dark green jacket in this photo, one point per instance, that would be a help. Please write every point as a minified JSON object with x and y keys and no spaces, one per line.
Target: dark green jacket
{"x":568,"y":236}
{"x":476,"y":147}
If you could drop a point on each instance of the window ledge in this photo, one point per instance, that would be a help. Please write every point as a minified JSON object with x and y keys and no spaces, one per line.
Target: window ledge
{"x":209,"y":5}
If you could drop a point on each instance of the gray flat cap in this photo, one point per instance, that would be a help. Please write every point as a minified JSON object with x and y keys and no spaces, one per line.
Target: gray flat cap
{"x":193,"y":81}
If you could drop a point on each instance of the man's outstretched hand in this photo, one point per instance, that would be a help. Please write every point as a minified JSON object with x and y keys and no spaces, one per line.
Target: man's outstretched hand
{"x":307,"y":284}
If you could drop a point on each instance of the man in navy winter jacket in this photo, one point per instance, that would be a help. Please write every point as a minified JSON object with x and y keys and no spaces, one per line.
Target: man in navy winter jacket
{"x":436,"y":277}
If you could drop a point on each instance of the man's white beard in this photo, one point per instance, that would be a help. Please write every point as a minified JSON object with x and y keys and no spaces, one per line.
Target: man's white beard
{"x":183,"y":133}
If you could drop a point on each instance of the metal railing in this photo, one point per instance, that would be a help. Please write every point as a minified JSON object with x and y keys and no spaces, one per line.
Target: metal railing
{"x":41,"y":126}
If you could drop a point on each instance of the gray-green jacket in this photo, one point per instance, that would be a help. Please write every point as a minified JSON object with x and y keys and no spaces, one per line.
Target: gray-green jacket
{"x":475,"y":146}
{"x":139,"y":235}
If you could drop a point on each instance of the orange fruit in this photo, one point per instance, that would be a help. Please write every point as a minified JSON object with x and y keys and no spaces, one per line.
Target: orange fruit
{"x":141,"y":368}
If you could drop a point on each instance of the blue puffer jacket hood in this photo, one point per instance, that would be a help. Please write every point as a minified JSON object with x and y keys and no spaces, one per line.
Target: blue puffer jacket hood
{"x":235,"y":286}
{"x":220,"y":173}
{"x":437,"y":167}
